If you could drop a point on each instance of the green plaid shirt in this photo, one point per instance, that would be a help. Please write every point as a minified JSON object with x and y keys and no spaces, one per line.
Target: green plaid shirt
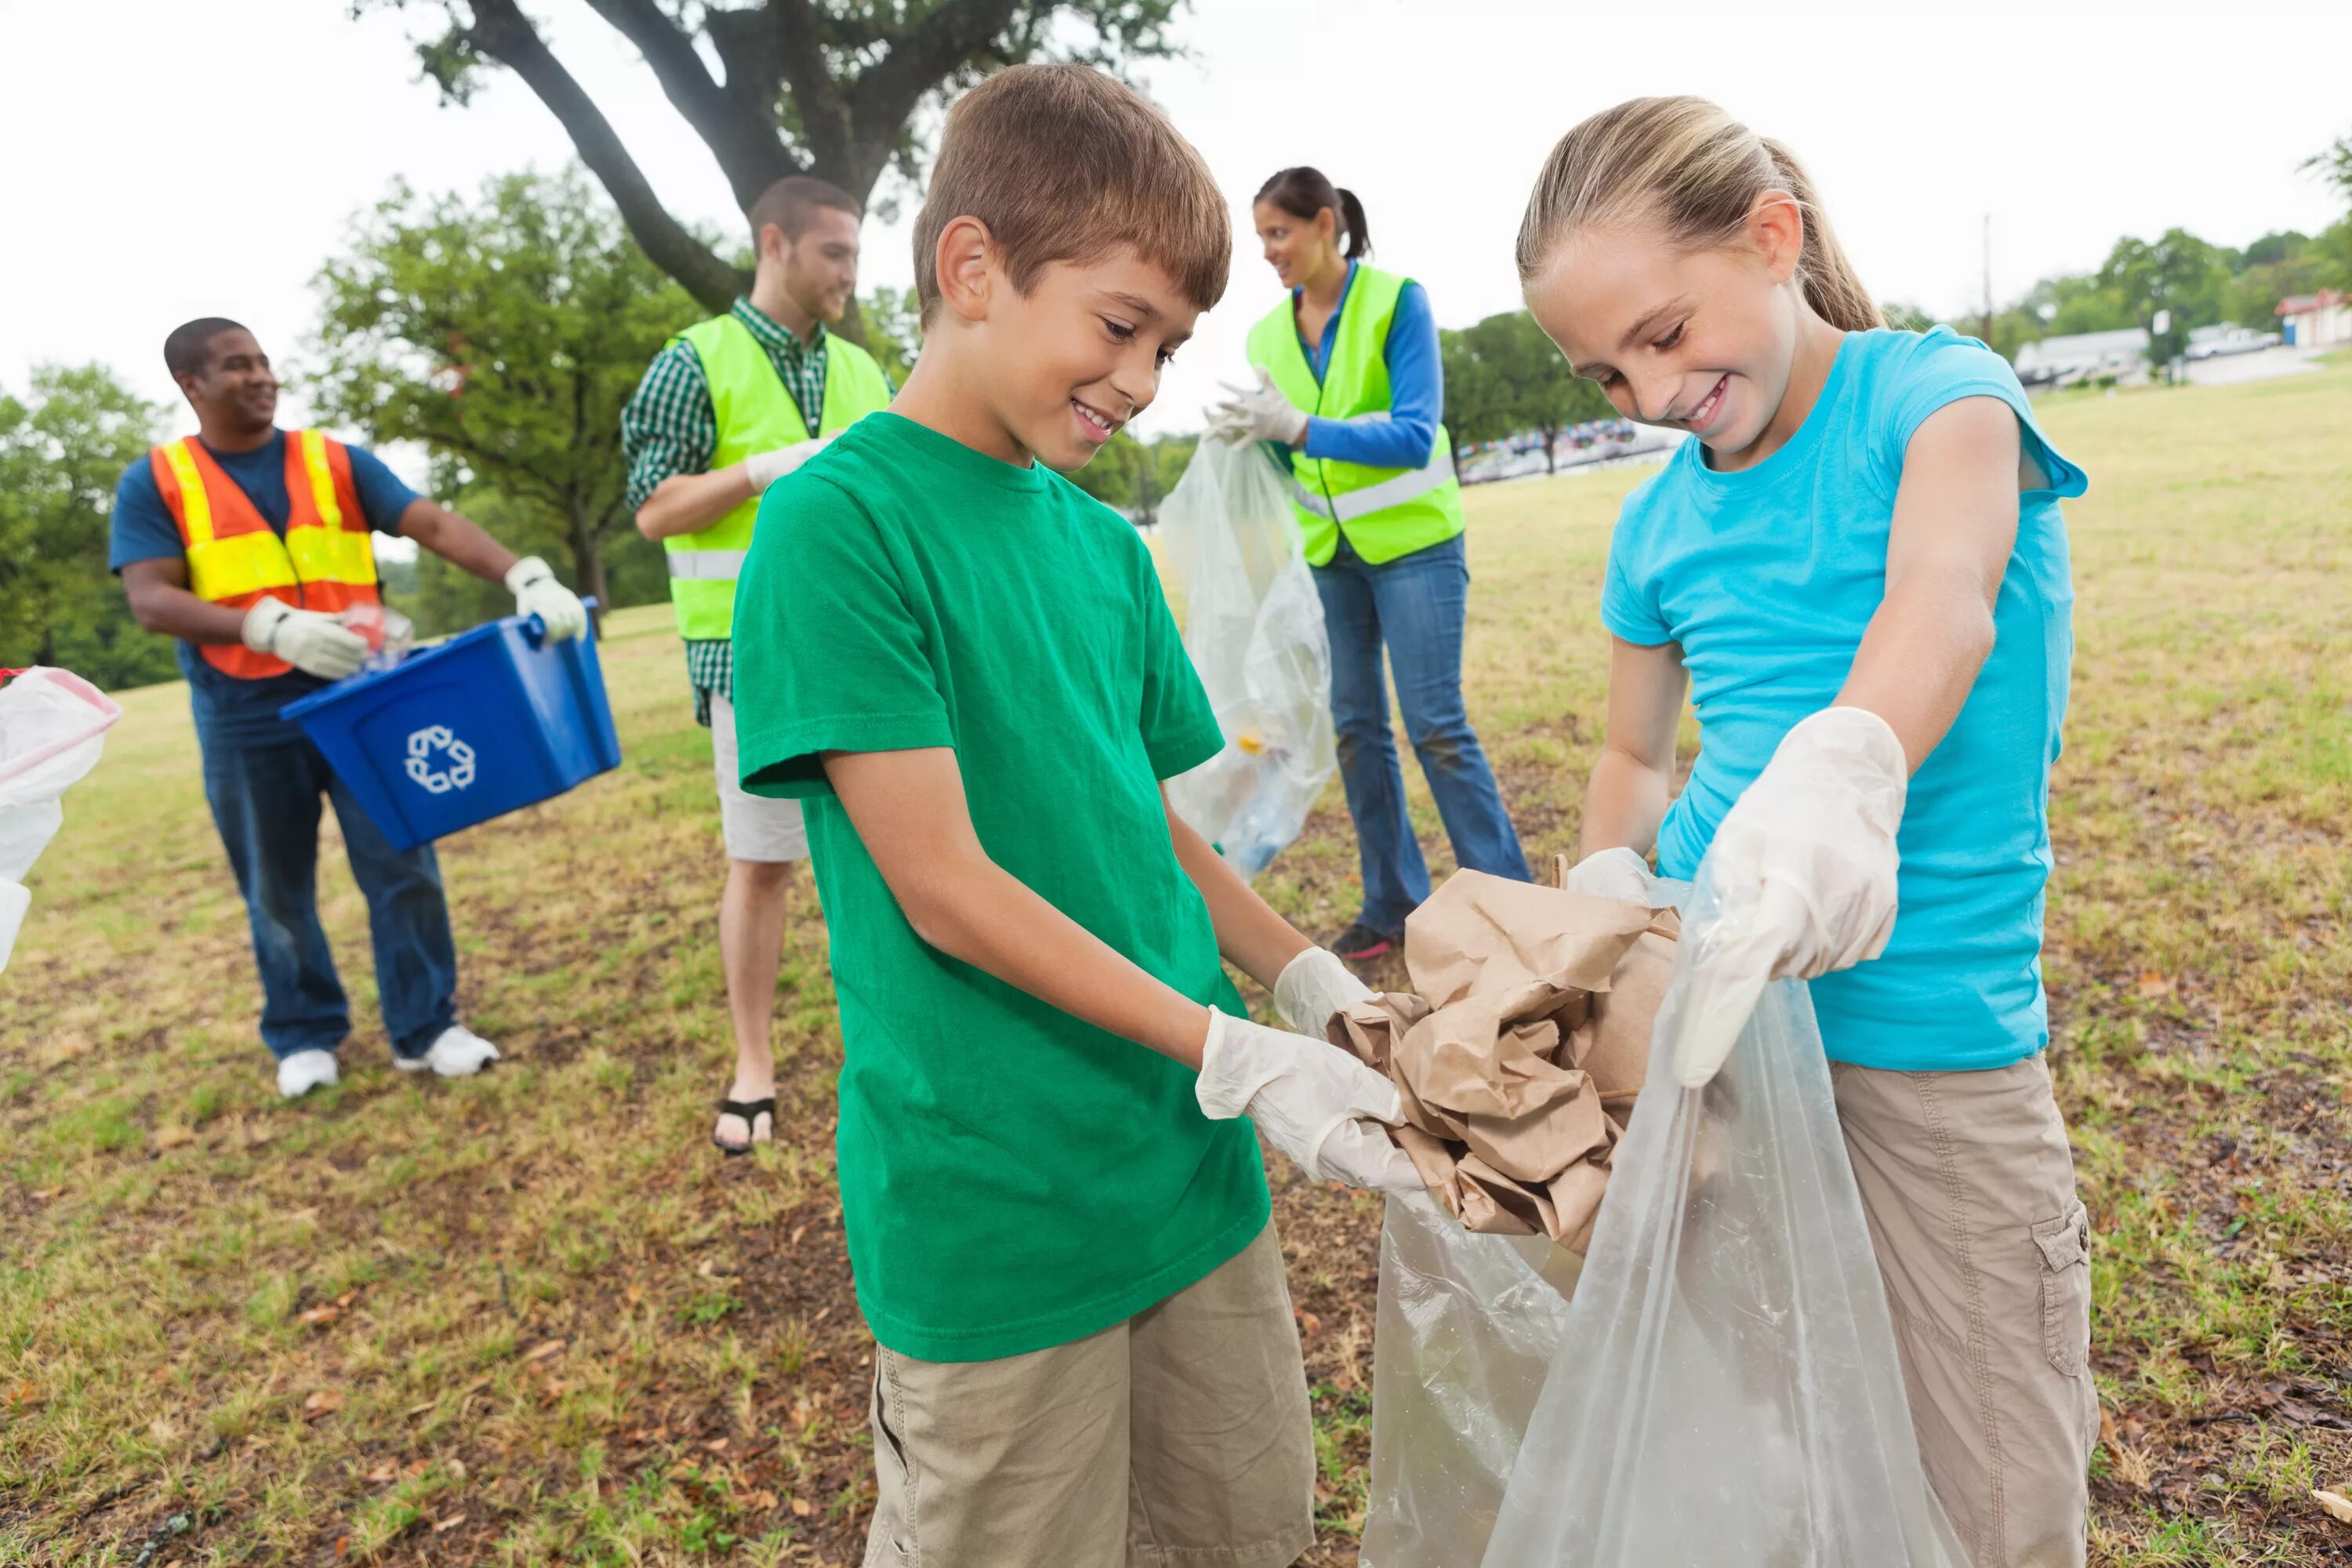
{"x":669,"y":427}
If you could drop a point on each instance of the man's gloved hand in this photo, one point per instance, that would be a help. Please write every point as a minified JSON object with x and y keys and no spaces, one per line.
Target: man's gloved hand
{"x":1313,"y":1101}
{"x":1260,"y":413}
{"x":537,"y":592}
{"x":1618,"y":873}
{"x":1314,"y":985}
{"x":764,"y":468}
{"x":307,"y":639}
{"x":1804,"y":874}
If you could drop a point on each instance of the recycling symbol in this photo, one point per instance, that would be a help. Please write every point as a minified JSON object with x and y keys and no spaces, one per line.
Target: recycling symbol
{"x":434,"y":743}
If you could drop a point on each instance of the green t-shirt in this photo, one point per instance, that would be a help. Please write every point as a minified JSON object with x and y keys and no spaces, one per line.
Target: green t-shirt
{"x":1011,"y":1177}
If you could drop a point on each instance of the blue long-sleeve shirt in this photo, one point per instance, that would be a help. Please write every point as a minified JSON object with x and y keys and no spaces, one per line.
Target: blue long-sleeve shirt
{"x":1401,"y":437}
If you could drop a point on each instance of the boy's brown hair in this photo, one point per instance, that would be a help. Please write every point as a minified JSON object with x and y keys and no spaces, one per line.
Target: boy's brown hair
{"x":1065,"y":163}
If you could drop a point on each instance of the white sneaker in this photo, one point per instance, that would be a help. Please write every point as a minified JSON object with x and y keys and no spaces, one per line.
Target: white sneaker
{"x":303,"y":1071}
{"x":458,"y":1052}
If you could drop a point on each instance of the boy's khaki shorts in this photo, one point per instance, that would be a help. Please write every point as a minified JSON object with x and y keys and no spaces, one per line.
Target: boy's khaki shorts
{"x":1969,"y":1191}
{"x":1176,"y":1439}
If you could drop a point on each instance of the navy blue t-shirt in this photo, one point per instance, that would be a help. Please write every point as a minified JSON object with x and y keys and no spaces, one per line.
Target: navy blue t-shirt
{"x":226,"y":707}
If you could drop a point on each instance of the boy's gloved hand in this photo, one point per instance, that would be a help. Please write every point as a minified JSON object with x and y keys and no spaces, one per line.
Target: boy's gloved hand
{"x":537,"y":592}
{"x":764,"y":468}
{"x":1313,"y":986}
{"x":310,"y":641}
{"x":1803,"y":872}
{"x":1313,"y":1101}
{"x":1618,"y":873}
{"x":1260,"y":413}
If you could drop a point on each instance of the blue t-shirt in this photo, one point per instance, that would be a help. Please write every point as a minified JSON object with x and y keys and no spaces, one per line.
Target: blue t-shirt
{"x":226,"y":707}
{"x":1767,"y":577}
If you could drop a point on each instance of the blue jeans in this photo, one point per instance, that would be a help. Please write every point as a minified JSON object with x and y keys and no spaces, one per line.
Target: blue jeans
{"x":265,"y":797}
{"x":1415,"y":605}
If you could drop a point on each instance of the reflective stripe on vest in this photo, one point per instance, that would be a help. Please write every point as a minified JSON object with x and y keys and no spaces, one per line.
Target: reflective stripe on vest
{"x":1386,"y":512}
{"x":707,"y":565}
{"x":1349,"y":505}
{"x":234,"y":558}
{"x":755,"y":414}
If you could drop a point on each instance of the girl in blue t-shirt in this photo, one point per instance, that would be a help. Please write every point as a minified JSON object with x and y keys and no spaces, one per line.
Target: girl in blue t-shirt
{"x":1857,"y":571}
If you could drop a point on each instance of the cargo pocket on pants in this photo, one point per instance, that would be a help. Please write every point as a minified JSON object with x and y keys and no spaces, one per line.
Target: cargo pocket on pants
{"x":890,"y":1538}
{"x":2065,"y":1244}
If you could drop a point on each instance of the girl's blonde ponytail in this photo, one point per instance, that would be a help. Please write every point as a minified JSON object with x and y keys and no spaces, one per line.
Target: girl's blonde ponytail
{"x":1832,"y":291}
{"x":1686,"y":164}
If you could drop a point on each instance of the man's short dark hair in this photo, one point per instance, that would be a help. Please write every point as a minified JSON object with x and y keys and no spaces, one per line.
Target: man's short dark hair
{"x":788,"y":203}
{"x":189,"y":349}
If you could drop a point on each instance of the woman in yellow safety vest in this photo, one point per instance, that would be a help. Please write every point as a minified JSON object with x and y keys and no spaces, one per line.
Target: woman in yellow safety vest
{"x":1349,"y":382}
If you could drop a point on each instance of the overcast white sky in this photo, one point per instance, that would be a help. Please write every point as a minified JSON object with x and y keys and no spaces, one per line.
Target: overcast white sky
{"x":161,"y":159}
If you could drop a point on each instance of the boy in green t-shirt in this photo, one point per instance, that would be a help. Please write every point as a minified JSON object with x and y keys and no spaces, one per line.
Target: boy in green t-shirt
{"x":964,"y":667}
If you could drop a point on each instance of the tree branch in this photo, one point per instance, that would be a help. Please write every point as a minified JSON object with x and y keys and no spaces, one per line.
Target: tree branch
{"x":502,"y":31}
{"x":932,"y":50}
{"x":740,"y":128}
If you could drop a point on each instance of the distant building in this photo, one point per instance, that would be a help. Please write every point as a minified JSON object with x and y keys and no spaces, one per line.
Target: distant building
{"x":2316,"y":320}
{"x":2061,"y":362}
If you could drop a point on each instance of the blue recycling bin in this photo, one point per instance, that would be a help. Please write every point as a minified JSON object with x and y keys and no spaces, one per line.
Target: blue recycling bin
{"x":492,"y":720}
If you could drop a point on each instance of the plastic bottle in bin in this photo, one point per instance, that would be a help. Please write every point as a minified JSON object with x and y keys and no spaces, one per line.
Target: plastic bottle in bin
{"x":389,"y":634}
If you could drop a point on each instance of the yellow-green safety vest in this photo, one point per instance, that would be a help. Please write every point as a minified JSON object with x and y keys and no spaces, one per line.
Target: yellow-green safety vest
{"x":1385,"y":513}
{"x":755,"y":415}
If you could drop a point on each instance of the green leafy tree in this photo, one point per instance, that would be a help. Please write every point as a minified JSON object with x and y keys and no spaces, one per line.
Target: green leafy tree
{"x":62,"y":450}
{"x":1136,"y":475}
{"x":837,"y":89}
{"x":503,"y":335}
{"x":1504,"y":376}
{"x":2333,"y":165}
{"x":2177,"y":276}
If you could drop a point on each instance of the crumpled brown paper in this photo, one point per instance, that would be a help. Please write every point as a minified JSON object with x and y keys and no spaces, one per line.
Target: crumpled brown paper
{"x":1520,"y":1050}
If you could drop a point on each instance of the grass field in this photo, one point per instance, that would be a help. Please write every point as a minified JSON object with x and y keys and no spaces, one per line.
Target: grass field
{"x":532,"y":1318}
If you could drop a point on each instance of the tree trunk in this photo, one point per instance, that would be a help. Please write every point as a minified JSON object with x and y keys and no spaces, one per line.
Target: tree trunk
{"x":588,"y":578}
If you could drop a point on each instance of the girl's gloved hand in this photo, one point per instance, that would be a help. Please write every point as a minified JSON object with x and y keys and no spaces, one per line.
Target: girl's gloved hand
{"x":1315,"y":1102}
{"x":1618,"y":873}
{"x":1802,"y":872}
{"x":1314,"y":985}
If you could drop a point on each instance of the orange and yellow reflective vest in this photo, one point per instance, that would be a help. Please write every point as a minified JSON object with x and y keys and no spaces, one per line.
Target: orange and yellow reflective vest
{"x":326,"y":561}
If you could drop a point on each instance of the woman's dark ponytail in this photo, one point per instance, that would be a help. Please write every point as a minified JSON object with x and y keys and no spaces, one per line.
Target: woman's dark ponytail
{"x":1303,"y":192}
{"x":1351,"y":215}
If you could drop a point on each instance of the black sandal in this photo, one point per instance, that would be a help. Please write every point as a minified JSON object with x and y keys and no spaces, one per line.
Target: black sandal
{"x":750,"y":1110}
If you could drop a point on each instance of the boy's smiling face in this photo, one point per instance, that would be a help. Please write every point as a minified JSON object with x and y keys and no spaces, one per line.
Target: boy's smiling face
{"x":1061,"y":367}
{"x":1080,"y":354}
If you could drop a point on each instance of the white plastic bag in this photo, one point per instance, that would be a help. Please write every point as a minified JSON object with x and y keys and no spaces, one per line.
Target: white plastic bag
{"x":1723,"y":1389}
{"x":1253,"y":626}
{"x":52,"y":726}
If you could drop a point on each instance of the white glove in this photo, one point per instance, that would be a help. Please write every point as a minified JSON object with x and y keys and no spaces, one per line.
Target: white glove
{"x":1802,"y":872}
{"x":307,"y":639}
{"x":764,"y":468}
{"x":1260,"y":413}
{"x":1313,"y":986}
{"x":1313,"y":1101}
{"x":537,"y":592}
{"x":1618,"y":873}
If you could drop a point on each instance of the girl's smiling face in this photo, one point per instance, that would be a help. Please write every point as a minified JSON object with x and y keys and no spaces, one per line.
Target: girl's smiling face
{"x":1702,"y":341}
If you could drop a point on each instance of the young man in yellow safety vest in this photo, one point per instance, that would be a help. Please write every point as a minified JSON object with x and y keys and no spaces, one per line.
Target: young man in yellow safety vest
{"x":252,"y":545}
{"x":729,"y":406}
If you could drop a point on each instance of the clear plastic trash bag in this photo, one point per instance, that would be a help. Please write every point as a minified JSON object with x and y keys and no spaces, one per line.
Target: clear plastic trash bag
{"x":1723,"y":1386}
{"x":1253,"y":626}
{"x":52,"y":726}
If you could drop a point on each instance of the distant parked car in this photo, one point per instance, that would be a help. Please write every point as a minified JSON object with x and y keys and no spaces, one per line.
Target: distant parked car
{"x":2235,"y":341}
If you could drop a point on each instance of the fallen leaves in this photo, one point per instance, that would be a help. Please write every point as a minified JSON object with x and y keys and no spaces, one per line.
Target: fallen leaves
{"x":2337,"y":1505}
{"x":171,"y":1135}
{"x":452,"y":1522}
{"x":2154,"y":982}
{"x":541,"y":1352}
{"x":322,"y":1402}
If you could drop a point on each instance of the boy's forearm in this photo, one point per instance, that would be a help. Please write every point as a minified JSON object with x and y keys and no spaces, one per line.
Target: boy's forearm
{"x":1623,"y":805}
{"x":990,"y":918}
{"x":1250,"y":934}
{"x":457,"y":538}
{"x":910,"y":812}
{"x":689,"y":503}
